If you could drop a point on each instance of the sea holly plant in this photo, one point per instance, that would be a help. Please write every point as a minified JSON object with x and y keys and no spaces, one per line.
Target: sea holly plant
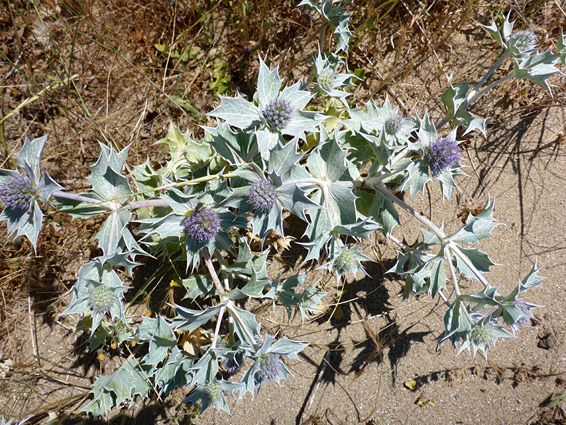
{"x":529,"y":63}
{"x":214,"y":210}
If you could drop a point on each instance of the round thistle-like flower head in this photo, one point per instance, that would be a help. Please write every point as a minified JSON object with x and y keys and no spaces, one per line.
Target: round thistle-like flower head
{"x":394,"y":123}
{"x":202,"y":224}
{"x":326,"y":79}
{"x":525,"y":319}
{"x":441,"y":155}
{"x":480,"y":336}
{"x":277,"y":114}
{"x":233,"y":365}
{"x":347,"y":260}
{"x":262,"y":194}
{"x":101,"y":300}
{"x":17,"y":192}
{"x":525,"y":40}
{"x":269,"y":367}
{"x":211,"y":392}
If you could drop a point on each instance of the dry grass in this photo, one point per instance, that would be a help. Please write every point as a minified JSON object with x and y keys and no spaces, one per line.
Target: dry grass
{"x":89,"y":72}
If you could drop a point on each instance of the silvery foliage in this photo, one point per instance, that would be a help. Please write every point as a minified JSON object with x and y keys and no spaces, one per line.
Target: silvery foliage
{"x":240,"y":182}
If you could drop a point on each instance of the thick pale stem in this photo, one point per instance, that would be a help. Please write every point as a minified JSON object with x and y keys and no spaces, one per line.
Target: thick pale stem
{"x":452,"y":270}
{"x":217,"y":329}
{"x":372,"y":181}
{"x":468,"y":263}
{"x":236,"y":316}
{"x":213,"y":274}
{"x":488,"y":88}
{"x":103,"y":204}
{"x":196,"y":181}
{"x":474,"y":95}
{"x":486,"y":76}
{"x":437,"y":231}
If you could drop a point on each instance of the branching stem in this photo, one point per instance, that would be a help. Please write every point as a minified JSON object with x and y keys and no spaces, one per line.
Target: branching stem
{"x":468,"y":263}
{"x":217,"y":329}
{"x":236,"y":316}
{"x":384,"y":191}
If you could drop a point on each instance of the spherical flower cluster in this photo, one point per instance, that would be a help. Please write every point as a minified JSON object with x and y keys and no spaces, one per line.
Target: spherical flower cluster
{"x":101,"y":300}
{"x":480,"y":336}
{"x":326,"y":80}
{"x":17,"y":192}
{"x":269,"y":367}
{"x":441,"y":155}
{"x":202,"y":224}
{"x":525,"y":319}
{"x":233,"y":365}
{"x":394,"y":123}
{"x":277,"y":114}
{"x":525,"y":40}
{"x":262,"y":194}
{"x":211,"y":392}
{"x":346,"y":260}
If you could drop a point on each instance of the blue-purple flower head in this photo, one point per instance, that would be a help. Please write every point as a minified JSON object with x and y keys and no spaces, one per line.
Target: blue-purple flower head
{"x":269,"y":367}
{"x":277,"y":114}
{"x":527,"y":315}
{"x":524,"y":40}
{"x":202,"y":224}
{"x":17,"y":192}
{"x":263,"y":194}
{"x":233,"y":365}
{"x":441,"y":155}
{"x":394,"y":123}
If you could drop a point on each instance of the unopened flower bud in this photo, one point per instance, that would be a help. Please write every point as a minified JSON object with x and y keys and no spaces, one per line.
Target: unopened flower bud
{"x":101,"y":300}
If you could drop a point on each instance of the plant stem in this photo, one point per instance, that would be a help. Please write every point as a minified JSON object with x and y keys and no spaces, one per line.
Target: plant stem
{"x":372,"y":181}
{"x":486,"y":76}
{"x":439,"y":233}
{"x":488,"y":88}
{"x":74,"y":197}
{"x":384,"y":191}
{"x":468,"y":263}
{"x":452,"y":271}
{"x":146,"y":204}
{"x":217,"y":329}
{"x":475,"y":94}
{"x":194,"y":181}
{"x":213,"y":274}
{"x":236,"y":316}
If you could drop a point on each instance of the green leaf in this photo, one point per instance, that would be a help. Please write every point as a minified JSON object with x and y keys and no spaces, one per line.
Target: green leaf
{"x":479,"y":260}
{"x":268,"y":84}
{"x":237,"y":112}
{"x":188,"y":320}
{"x":244,"y":319}
{"x":31,"y":154}
{"x":113,"y":231}
{"x":437,"y":278}
{"x":159,"y":334}
{"x":197,"y":285}
{"x":122,"y":386}
{"x":477,"y":227}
